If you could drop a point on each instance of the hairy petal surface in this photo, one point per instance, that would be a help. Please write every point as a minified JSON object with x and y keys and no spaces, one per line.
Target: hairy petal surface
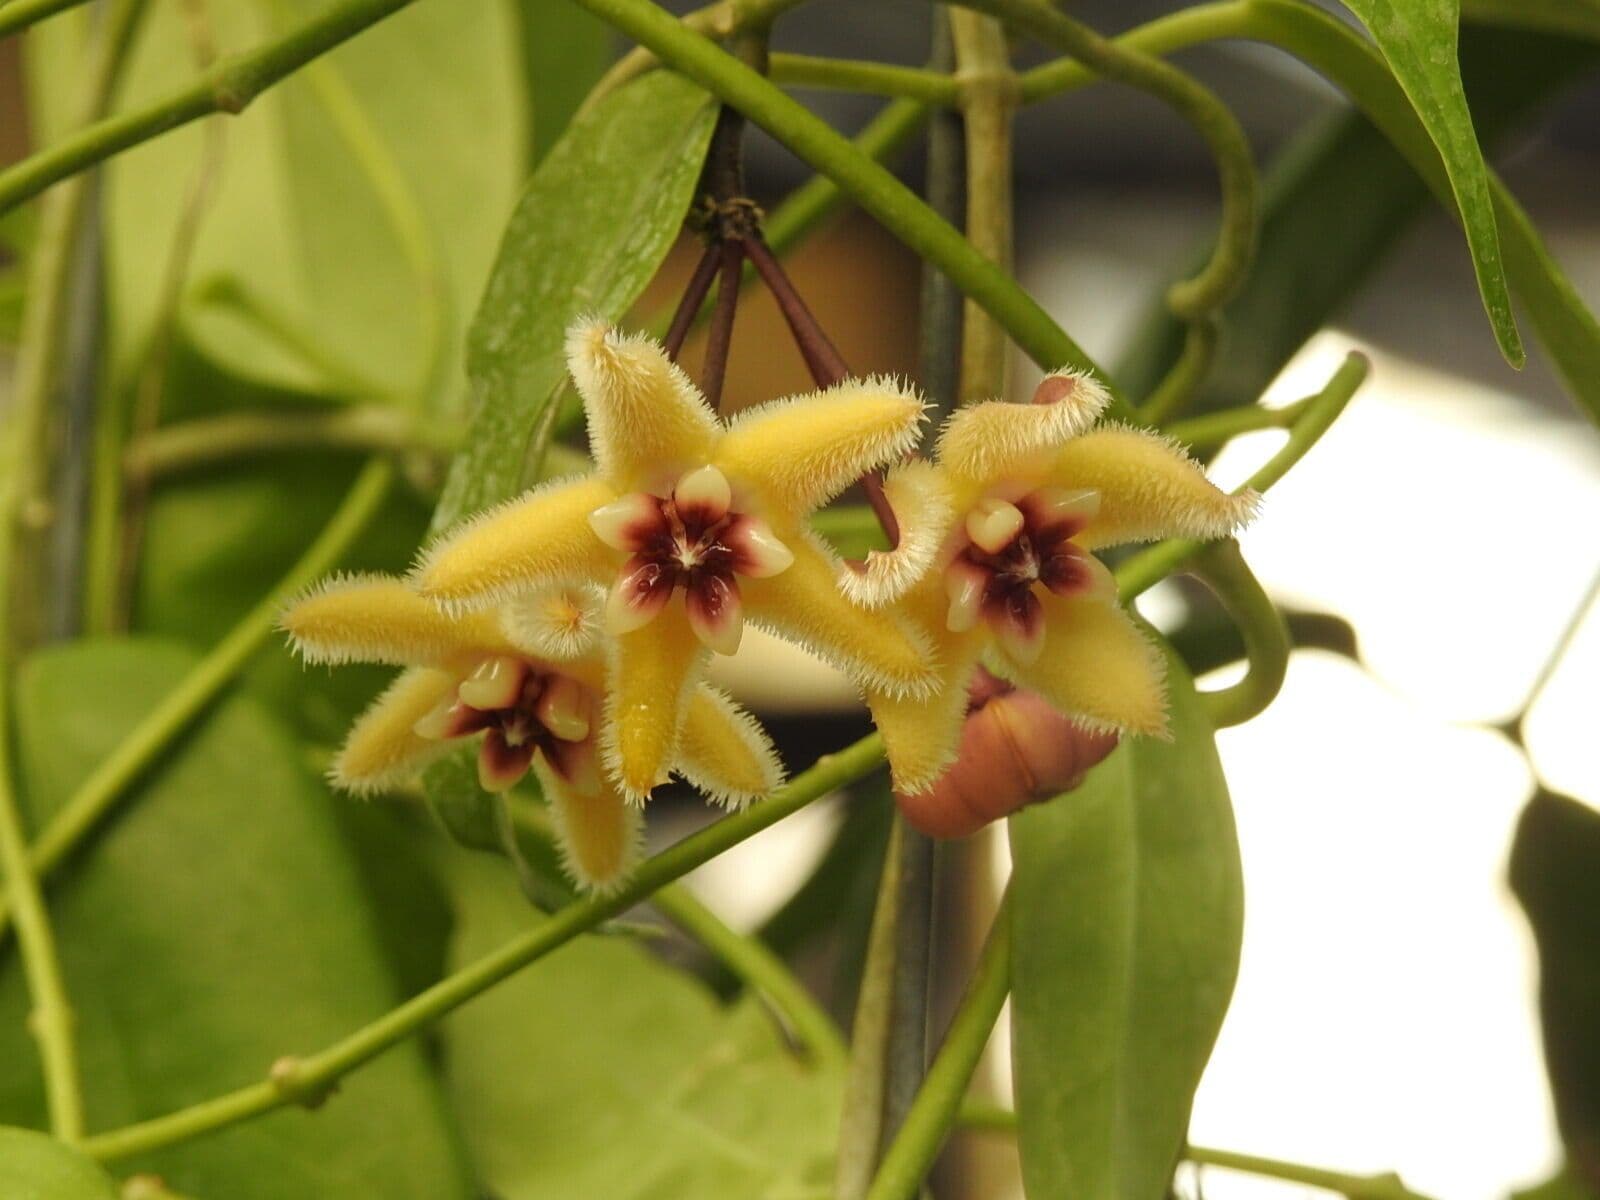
{"x":597,"y":831}
{"x":651,"y":674}
{"x":802,"y":451}
{"x":989,"y":441}
{"x":1096,"y":665}
{"x":382,"y":749}
{"x":1149,"y":488}
{"x":723,"y":750}
{"x":378,"y":619}
{"x":922,"y":734}
{"x":924,"y":509}
{"x":647,"y":422}
{"x":537,"y":540}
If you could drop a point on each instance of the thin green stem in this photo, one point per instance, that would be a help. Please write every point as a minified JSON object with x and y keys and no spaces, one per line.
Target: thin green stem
{"x":1222,"y":568}
{"x":752,"y":961}
{"x":1236,"y":239}
{"x":227,"y":87}
{"x":1157,"y":38}
{"x":88,"y":806}
{"x":20,"y":14}
{"x":850,"y":75}
{"x":309,"y":1079}
{"x":1212,"y":431}
{"x":1144,"y":570}
{"x":926,"y":1126}
{"x":873,"y":188}
{"x":1178,"y":386}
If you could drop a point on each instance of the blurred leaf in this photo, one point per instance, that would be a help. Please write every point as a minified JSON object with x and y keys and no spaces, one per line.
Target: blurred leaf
{"x":34,"y":1166}
{"x":602,"y":1072}
{"x":1127,"y":902}
{"x":564,"y":51}
{"x":1579,"y":18}
{"x":1555,"y":873}
{"x":216,"y":926}
{"x":1342,"y":183}
{"x":1418,"y":39}
{"x":318,"y":179}
{"x":1562,"y":1186}
{"x":593,"y":226}
{"x":16,"y":234}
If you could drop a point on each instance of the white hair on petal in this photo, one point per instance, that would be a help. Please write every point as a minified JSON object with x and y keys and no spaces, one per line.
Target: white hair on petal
{"x":923,"y":510}
{"x":560,"y":623}
{"x":633,"y":834}
{"x":750,"y":732}
{"x":314,"y":650}
{"x":397,"y":771}
{"x":611,"y":752}
{"x":984,"y":440}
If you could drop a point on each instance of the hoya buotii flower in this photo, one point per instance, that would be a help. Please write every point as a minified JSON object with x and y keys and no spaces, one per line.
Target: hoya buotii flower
{"x":1029,"y":492}
{"x":527,"y":679}
{"x":693,"y":526}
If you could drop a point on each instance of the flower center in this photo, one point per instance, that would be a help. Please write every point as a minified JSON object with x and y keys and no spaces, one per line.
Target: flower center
{"x":693,"y":539}
{"x":1011,"y":546}
{"x":525,"y":709}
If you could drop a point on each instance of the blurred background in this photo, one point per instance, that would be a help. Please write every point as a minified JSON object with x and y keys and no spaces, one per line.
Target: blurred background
{"x":1386,"y":1011}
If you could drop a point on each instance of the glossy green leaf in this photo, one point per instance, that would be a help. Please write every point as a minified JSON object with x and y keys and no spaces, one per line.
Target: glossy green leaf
{"x":564,"y":51}
{"x":593,"y":226}
{"x":352,"y":217}
{"x":34,"y":1166}
{"x":603,"y":1072}
{"x":1555,"y":873}
{"x":1127,"y":906}
{"x":1418,"y":39}
{"x":217,"y":925}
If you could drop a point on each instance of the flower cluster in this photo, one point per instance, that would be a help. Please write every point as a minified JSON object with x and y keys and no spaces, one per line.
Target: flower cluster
{"x":570,"y":629}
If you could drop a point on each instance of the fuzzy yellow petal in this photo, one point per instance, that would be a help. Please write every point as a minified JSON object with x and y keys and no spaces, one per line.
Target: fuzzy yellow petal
{"x":878,"y":649}
{"x":651,"y":673}
{"x":724,"y":751}
{"x":379,"y":619}
{"x":557,"y":624}
{"x":540,"y":538}
{"x":597,"y":833}
{"x":381,"y":751}
{"x":800,"y":452}
{"x":647,"y":422}
{"x":989,"y":441}
{"x":922,"y":734}
{"x":1149,"y":488}
{"x":1096,"y":665}
{"x":924,"y":509}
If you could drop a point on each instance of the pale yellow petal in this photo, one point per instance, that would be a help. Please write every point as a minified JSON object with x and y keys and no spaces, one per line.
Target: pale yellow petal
{"x":922,"y":734}
{"x":923,"y":508}
{"x":539,"y":539}
{"x":724,"y":751}
{"x":651,"y":673}
{"x":994,"y":440}
{"x":379,"y":619}
{"x":800,"y":452}
{"x":1097,"y":665}
{"x":804,"y":604}
{"x":1149,"y":488}
{"x":557,"y":623}
{"x":647,"y":423}
{"x":381,"y":751}
{"x":597,"y":833}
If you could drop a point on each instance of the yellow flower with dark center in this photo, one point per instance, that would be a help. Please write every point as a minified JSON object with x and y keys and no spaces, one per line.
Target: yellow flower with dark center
{"x":694,"y":526}
{"x":1007,"y":518}
{"x":527,"y":680}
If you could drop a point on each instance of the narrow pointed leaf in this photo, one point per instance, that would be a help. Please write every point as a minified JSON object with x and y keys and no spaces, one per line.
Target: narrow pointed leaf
{"x":34,"y":1166}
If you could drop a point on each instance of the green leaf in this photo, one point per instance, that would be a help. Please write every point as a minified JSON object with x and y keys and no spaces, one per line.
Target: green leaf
{"x":1555,"y":873}
{"x":603,"y":1072}
{"x":1580,"y":18}
{"x":351,"y":213}
{"x":564,"y":51}
{"x":1127,"y":905}
{"x":596,"y":220}
{"x":1418,"y":39}
{"x":1561,"y":1186}
{"x":34,"y":1166}
{"x":217,"y":925}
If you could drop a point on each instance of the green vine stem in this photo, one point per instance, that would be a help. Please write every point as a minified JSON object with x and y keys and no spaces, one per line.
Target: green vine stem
{"x":1178,"y":386}
{"x":1222,"y":568}
{"x":1144,"y":570}
{"x":851,"y":75}
{"x":752,"y":961}
{"x":228,"y":87}
{"x":1210,"y":432}
{"x":95,"y":797}
{"x":911,"y":1154}
{"x":873,"y":188}
{"x":305,"y":1080}
{"x":20,"y":14}
{"x":1221,"y":277}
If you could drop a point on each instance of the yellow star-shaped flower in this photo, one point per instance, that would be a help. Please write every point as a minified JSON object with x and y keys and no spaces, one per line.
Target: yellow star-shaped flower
{"x":1018,"y":498}
{"x":694,"y":526}
{"x":528,"y":677}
